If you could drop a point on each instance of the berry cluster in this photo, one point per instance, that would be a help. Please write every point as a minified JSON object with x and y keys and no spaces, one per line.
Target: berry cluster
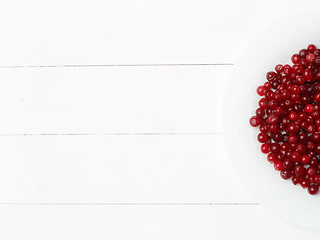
{"x":288,"y":118}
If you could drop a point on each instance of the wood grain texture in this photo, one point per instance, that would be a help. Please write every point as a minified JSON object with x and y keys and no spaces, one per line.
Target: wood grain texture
{"x":179,"y":169}
{"x":180,"y":99}
{"x":110,"y":122}
{"x":144,"y":223}
{"x":132,"y":32}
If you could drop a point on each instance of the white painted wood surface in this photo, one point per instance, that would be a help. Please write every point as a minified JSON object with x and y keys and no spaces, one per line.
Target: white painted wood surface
{"x":111,"y":120}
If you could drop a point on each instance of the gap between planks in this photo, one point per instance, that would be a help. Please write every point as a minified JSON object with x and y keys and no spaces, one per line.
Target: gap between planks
{"x":133,"y":204}
{"x":119,"y":65}
{"x":102,"y":134}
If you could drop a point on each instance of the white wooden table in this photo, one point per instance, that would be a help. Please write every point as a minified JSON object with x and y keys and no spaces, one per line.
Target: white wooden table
{"x":110,"y":122}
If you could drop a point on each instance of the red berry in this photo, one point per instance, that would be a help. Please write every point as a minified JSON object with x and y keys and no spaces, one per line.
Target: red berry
{"x":310,"y":57}
{"x":295,"y":180}
{"x":262,"y":137}
{"x":261,"y":90}
{"x":263,"y":103}
{"x":278,"y":68}
{"x":295,"y":58}
{"x":285,"y":174}
{"x":308,"y":108}
{"x":272,"y":157}
{"x":299,"y":170}
{"x":278,"y":166}
{"x":271,"y":76}
{"x":255,"y":121}
{"x":265,"y":148}
{"x":316,"y":179}
{"x":305,"y":183}
{"x":288,"y":117}
{"x":293,"y":116}
{"x":288,"y":164}
{"x":313,"y":189}
{"x":311,"y":171}
{"x":312,"y":48}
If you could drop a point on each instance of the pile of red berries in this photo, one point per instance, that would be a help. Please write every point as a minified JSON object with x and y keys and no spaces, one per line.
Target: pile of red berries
{"x":288,"y":118}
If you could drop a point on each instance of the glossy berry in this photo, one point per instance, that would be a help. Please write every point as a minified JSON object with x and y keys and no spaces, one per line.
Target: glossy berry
{"x":313,"y":189}
{"x":261,"y":90}
{"x":278,"y":166}
{"x":308,"y":108}
{"x":311,"y":48}
{"x":255,"y":121}
{"x":265,"y":148}
{"x":295,"y":180}
{"x":285,"y":174}
{"x":288,"y":118}
{"x":305,"y":183}
{"x":310,"y":57}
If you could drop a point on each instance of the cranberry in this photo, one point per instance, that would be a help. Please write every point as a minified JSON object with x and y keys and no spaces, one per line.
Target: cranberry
{"x":278,"y":68}
{"x":272,"y":104}
{"x":300,"y":80}
{"x":263,"y":128}
{"x":287,"y":69}
{"x":313,"y":189}
{"x":308,"y":108}
{"x":311,"y":48}
{"x":301,"y":148}
{"x":261,"y":90}
{"x":311,"y":128}
{"x":293,"y":116}
{"x":305,"y":183}
{"x":295,"y":180}
{"x":263,"y":103}
{"x":299,"y":170}
{"x":295,"y":58}
{"x":292,"y":138}
{"x":274,"y":147}
{"x":297,"y":68}
{"x":260,"y":112}
{"x":285,"y":147}
{"x":272,"y":157}
{"x":255,"y":121}
{"x":310,"y":57}
{"x":310,"y":145}
{"x":315,"y":137}
{"x":262,"y":137}
{"x":313,"y":162}
{"x":265,"y":148}
{"x":295,"y":89}
{"x":317,"y":52}
{"x":271,"y":76}
{"x":316,"y":179}
{"x":315,"y":114}
{"x":287,"y":164}
{"x":277,"y":137}
{"x":288,"y":118}
{"x":278,"y":166}
{"x":272,"y":119}
{"x":278,"y":111}
{"x":285,"y":174}
{"x":311,"y":171}
{"x":307,"y":74}
{"x":303,"y":53}
{"x":292,"y":128}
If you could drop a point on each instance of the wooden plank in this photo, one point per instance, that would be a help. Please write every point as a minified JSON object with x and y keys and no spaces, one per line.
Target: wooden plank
{"x":180,"y":99}
{"x":117,"y":169}
{"x":131,"y":32}
{"x":144,"y":223}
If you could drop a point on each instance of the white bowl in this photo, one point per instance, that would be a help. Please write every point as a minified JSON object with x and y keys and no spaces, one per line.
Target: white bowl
{"x":275,"y":44}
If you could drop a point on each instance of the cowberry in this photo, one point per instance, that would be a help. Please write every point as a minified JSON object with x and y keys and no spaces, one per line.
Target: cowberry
{"x":288,"y":118}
